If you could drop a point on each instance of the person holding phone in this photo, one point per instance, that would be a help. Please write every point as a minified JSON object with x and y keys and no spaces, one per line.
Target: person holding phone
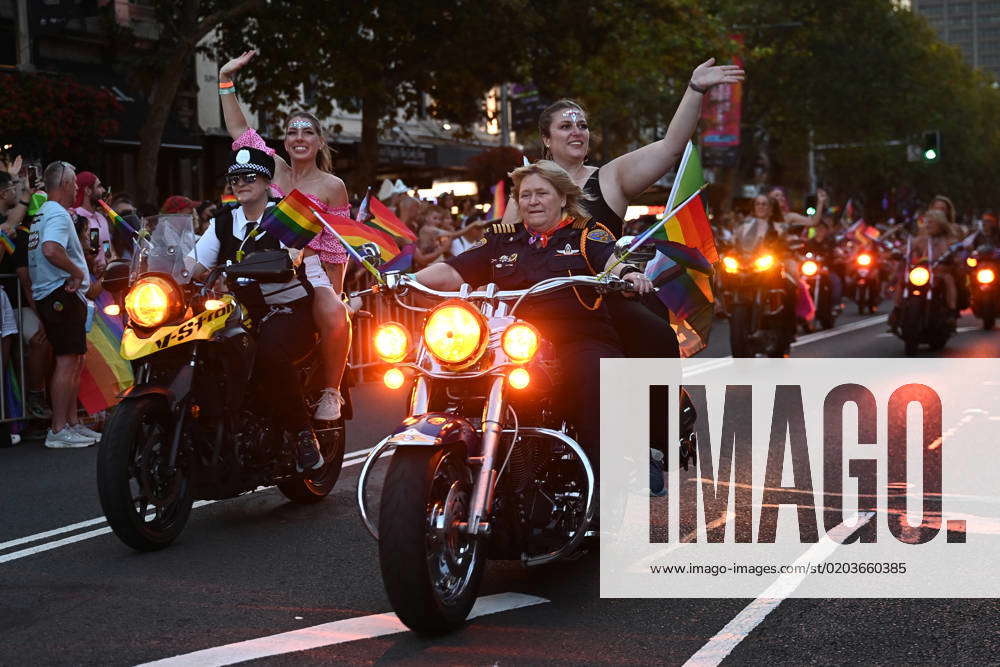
{"x":89,"y":191}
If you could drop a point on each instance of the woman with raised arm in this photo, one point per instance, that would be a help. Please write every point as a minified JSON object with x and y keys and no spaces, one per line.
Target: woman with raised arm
{"x":325,"y":259}
{"x":566,"y":134}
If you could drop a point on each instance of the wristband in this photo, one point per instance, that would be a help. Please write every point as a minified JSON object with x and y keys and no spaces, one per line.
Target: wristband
{"x":226,"y":84}
{"x":697,"y":89}
{"x":227,"y":91}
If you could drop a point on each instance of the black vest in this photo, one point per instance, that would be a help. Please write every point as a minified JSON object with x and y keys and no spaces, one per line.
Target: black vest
{"x":229,"y":245}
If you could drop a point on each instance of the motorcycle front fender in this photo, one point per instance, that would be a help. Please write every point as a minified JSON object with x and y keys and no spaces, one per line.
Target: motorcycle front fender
{"x":142,"y":390}
{"x":437,"y":429}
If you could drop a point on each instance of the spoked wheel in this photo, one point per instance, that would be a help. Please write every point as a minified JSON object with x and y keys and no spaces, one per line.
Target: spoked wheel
{"x":318,"y":485}
{"x":146,"y":503}
{"x":431,"y":568}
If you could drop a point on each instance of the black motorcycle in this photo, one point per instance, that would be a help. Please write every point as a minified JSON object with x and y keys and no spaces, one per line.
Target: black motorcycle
{"x":760,"y":298}
{"x":864,"y":280}
{"x":923,"y":316}
{"x":816,"y":274}
{"x":194,"y":425}
{"x":983,"y":265}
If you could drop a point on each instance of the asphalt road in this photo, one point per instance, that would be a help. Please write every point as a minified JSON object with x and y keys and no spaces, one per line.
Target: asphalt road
{"x":259,"y":566}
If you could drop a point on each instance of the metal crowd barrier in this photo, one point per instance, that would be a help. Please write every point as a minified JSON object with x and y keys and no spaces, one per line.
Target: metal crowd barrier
{"x":362,"y":356}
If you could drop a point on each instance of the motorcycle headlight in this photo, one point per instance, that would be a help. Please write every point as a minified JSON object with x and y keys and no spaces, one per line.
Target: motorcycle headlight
{"x":392,"y":342}
{"x":456,"y":334}
{"x":985,"y":276}
{"x":972,"y":262}
{"x":730,"y":264}
{"x":520,"y":342}
{"x":152,"y":301}
{"x":864,"y":259}
{"x":809,"y":268}
{"x":763,"y":263}
{"x":919,"y":276}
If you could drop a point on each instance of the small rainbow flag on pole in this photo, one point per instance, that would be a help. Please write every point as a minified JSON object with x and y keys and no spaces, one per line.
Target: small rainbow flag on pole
{"x":229,"y":199}
{"x":359,"y":236}
{"x":292,"y":221}
{"x":376,"y":214}
{"x":105,"y":373}
{"x":6,"y":243}
{"x":499,"y":200}
{"x":115,"y":218}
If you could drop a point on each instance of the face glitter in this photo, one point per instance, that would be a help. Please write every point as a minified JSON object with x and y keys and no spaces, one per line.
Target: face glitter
{"x":299,"y":123}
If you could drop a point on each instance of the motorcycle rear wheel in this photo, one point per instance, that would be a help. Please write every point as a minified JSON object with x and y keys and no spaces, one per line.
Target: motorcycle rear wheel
{"x":430,"y":569}
{"x":316,"y":487}
{"x":146,"y":506}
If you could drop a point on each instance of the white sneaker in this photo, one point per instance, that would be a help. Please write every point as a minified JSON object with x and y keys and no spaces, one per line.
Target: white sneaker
{"x":328,"y":408}
{"x":67,"y":438}
{"x":90,"y":434}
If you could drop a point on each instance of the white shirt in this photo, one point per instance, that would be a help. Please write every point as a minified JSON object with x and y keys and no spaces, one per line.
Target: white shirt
{"x":206,"y":253}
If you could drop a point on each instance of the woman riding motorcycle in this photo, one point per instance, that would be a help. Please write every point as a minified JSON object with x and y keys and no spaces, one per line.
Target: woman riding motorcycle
{"x":556,"y":239}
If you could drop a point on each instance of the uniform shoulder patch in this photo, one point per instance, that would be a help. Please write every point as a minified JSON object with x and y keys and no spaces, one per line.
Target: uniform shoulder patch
{"x":600,"y":235}
{"x":478,"y":244}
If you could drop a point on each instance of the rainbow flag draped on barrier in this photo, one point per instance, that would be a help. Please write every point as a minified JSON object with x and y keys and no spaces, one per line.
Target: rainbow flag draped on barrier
{"x":374,"y":213}
{"x":105,"y":374}
{"x":678,"y":270}
{"x":292,"y":221}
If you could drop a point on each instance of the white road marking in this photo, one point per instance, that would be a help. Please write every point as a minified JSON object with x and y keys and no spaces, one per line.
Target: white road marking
{"x":328,"y":634}
{"x":723,"y":643}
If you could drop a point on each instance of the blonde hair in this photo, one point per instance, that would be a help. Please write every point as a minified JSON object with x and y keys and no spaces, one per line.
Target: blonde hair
{"x":324,"y":156}
{"x":559,"y":179}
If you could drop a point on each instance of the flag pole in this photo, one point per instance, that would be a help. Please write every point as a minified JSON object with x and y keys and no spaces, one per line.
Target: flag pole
{"x":652,"y":230}
{"x":347,"y":246}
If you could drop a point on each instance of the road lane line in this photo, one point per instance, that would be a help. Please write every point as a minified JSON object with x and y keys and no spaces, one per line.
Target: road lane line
{"x":51,"y":533}
{"x":31,"y":551}
{"x":328,"y":634}
{"x":723,"y":643}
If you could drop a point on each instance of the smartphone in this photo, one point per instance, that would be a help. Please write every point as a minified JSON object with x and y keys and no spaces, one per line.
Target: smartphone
{"x":32,"y":175}
{"x":95,"y":241}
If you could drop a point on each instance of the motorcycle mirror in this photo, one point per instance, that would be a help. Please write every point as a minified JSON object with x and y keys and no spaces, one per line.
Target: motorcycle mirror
{"x":643,"y":253}
{"x":115,"y":278}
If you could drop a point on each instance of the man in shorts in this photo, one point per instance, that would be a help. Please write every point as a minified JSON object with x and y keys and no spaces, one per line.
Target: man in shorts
{"x":58,"y":281}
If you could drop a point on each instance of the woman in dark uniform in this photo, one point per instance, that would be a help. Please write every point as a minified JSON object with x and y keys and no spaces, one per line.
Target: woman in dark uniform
{"x":566,"y":135}
{"x":556,"y":239}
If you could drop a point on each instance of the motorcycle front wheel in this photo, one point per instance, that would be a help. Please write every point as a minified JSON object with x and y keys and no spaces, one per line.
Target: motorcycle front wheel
{"x":739,"y":331}
{"x":146,"y":504}
{"x":431,"y":569}
{"x":318,"y":485}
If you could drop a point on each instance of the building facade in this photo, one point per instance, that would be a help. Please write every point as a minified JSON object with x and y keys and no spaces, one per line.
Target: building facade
{"x":971,"y":25}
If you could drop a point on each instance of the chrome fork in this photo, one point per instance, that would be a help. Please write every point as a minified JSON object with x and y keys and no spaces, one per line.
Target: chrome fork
{"x":482,"y":490}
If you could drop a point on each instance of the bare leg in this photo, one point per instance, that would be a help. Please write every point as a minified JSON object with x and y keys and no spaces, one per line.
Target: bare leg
{"x":335,"y":333}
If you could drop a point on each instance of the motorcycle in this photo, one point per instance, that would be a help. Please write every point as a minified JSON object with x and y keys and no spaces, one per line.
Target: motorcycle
{"x":864,"y":280}
{"x":983,"y":264}
{"x":192,"y":426}
{"x":922,"y":315}
{"x":816,"y":275}
{"x":758,"y":294}
{"x":482,"y":468}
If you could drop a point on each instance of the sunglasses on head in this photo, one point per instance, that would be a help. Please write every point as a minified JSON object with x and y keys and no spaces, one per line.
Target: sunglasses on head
{"x":248,"y":178}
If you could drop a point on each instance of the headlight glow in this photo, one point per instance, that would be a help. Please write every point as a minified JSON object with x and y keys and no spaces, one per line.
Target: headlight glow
{"x":763,"y":263}
{"x":455,"y":334}
{"x":864,"y":259}
{"x":153,"y":301}
{"x":809,"y":268}
{"x":920,"y":276}
{"x":972,"y":262}
{"x":985,"y":276}
{"x":730,"y":264}
{"x":520,"y":342}
{"x":393,"y":378}
{"x":392,"y":342}
{"x":519,"y":378}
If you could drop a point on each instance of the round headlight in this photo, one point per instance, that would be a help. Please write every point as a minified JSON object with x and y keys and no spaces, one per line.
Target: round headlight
{"x":864,"y":259}
{"x":920,"y":276}
{"x":520,"y":342}
{"x":985,"y":276}
{"x":809,"y":268}
{"x":153,"y":301}
{"x":764,"y":262}
{"x":730,"y":264}
{"x":392,"y":342}
{"x":455,"y":334}
{"x":972,"y":262}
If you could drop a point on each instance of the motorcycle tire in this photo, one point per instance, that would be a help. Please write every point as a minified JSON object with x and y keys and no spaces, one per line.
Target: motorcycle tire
{"x":989,"y":322}
{"x":432,"y":578}
{"x":910,"y":346}
{"x":122,"y":458}
{"x":739,"y":331}
{"x":318,"y":485}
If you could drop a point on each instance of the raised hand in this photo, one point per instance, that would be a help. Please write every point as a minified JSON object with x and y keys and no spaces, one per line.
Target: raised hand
{"x":707,"y":75}
{"x":235,"y":65}
{"x":13,"y":168}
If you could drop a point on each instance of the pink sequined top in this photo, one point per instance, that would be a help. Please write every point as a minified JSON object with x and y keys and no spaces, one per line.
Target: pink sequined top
{"x":328,"y":248}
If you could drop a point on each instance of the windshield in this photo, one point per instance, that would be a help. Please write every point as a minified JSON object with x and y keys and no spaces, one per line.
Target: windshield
{"x":164,"y":243}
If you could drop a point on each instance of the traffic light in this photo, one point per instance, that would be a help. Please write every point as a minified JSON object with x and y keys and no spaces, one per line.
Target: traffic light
{"x":931,"y":148}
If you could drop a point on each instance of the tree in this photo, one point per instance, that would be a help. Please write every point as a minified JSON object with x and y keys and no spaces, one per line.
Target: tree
{"x":378,"y":58}
{"x":160,"y":72}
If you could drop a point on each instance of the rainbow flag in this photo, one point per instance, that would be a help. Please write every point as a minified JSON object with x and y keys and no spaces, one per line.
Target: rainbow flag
{"x":6,"y":243}
{"x":105,"y":374}
{"x":499,"y":200}
{"x":376,"y":214}
{"x":292,"y":221}
{"x":361,"y":237}
{"x":115,"y":218}
{"x":229,"y":199}
{"x":685,"y":246}
{"x":401,"y":262}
